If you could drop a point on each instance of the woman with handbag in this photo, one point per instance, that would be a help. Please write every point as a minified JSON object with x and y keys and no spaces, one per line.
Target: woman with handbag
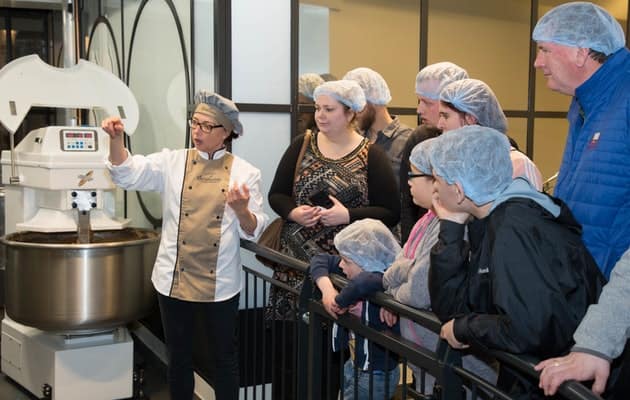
{"x":326,"y":181}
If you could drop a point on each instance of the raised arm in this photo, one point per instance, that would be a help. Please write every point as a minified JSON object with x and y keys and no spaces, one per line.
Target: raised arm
{"x":115,"y":128}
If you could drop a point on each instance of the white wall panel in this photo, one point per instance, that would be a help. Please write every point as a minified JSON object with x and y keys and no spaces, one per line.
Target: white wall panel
{"x":266,"y":137}
{"x":204,"y":45}
{"x":261,"y":45}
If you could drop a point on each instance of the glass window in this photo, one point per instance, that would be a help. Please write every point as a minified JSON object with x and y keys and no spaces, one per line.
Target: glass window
{"x":549,"y":139}
{"x":337,"y":36}
{"x":5,"y":37}
{"x":31,"y":34}
{"x":489,"y":38}
{"x":160,"y":88}
{"x":517,"y":130}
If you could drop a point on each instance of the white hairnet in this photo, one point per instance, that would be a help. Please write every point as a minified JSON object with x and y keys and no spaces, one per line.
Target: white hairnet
{"x":474,"y":97}
{"x":345,"y":91}
{"x":420,"y":156}
{"x":221,"y":108}
{"x":373,"y":85}
{"x":369,"y":243}
{"x":307,"y":84}
{"x":477,"y":157}
{"x":432,"y":78}
{"x":580,"y":24}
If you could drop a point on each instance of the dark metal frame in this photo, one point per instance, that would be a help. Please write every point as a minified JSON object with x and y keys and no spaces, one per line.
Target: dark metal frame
{"x":444,"y":362}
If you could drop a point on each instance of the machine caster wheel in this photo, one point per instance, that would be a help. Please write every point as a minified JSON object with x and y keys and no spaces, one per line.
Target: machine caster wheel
{"x":46,"y":391}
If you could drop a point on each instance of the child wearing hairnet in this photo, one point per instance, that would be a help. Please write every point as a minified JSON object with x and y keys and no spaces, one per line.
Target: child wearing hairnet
{"x":366,"y":248}
{"x":407,"y":278}
{"x":522,"y":279}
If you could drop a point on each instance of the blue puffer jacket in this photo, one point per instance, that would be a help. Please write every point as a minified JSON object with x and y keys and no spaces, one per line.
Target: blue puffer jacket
{"x":594,"y":177}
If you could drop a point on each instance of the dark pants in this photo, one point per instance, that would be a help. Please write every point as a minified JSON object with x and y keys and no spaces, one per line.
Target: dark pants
{"x":220,"y":320}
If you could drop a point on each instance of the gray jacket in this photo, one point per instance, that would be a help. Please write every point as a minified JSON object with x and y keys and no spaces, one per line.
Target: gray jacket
{"x":606,"y":326}
{"x":407,"y":280}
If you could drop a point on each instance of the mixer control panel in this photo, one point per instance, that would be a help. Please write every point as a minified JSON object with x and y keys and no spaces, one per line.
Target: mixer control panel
{"x":78,"y":139}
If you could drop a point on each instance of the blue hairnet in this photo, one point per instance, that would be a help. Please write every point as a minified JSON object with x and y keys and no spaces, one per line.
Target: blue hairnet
{"x":420,"y":156}
{"x":307,"y":84}
{"x":345,"y":91}
{"x":369,"y":243}
{"x":221,"y":108}
{"x":477,"y":157}
{"x":432,"y":78}
{"x":581,"y":24}
{"x":474,"y":97}
{"x":373,"y":85}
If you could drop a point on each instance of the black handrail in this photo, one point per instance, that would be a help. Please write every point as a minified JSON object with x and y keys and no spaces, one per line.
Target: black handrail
{"x":572,"y":390}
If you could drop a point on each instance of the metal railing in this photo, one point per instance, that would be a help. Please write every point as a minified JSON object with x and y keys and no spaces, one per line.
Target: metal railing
{"x":292,"y":359}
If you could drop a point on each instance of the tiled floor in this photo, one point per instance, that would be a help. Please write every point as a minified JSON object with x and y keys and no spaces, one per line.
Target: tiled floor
{"x":153,"y":371}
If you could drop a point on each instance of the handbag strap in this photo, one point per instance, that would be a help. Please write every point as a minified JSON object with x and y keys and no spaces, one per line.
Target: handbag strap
{"x":307,"y":139}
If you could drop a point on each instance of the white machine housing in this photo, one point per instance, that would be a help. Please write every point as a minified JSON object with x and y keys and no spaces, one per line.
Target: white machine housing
{"x":56,"y":170}
{"x":61,"y":169}
{"x":98,"y":367}
{"x":52,"y":172}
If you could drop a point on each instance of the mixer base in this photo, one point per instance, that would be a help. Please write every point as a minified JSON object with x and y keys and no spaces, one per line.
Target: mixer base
{"x":98,"y":367}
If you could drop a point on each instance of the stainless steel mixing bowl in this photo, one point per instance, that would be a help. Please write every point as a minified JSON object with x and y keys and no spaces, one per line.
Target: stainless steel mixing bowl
{"x":55,"y":284}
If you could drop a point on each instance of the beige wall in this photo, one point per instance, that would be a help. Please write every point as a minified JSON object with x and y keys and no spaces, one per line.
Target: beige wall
{"x":378,"y":34}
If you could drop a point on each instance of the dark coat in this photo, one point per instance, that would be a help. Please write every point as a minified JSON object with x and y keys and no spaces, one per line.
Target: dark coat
{"x":521,"y":284}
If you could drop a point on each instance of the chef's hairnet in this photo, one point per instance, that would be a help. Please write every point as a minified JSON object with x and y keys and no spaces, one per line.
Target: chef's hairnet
{"x":369,"y":243}
{"x":220,"y":108}
{"x":345,"y":91}
{"x":420,"y":156}
{"x":307,"y":84}
{"x":432,"y":78}
{"x":477,"y":157}
{"x":474,"y":97}
{"x":373,"y":85}
{"x":580,"y":24}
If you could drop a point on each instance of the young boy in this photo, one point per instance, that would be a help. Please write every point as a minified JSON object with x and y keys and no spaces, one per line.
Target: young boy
{"x":366,"y":247}
{"x":523,"y":280}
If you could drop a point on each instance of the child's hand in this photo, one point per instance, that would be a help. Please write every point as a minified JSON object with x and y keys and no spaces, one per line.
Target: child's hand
{"x":443,"y":213}
{"x":356,"y":309}
{"x":388,"y":317}
{"x":331,"y":306}
{"x":448,"y":333}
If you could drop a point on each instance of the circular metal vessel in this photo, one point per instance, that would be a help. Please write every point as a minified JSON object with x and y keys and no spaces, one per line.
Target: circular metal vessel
{"x":55,"y":284}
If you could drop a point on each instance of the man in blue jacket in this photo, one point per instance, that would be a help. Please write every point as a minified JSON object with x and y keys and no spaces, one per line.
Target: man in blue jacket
{"x":581,"y":53}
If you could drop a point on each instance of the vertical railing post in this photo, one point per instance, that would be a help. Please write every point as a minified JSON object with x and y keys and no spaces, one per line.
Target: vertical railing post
{"x":303,"y":338}
{"x":314,"y":361}
{"x":449,"y":386}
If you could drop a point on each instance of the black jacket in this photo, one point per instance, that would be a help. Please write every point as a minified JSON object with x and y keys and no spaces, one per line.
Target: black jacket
{"x":521,"y":284}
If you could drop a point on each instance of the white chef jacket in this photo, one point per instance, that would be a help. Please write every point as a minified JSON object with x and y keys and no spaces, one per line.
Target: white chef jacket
{"x":163,"y":172}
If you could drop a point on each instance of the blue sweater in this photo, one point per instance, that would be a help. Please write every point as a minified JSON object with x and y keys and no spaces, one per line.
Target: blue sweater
{"x":363,"y":285}
{"x":594,"y":178}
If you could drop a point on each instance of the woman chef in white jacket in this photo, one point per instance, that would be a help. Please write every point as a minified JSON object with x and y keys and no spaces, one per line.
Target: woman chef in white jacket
{"x":210,"y":199}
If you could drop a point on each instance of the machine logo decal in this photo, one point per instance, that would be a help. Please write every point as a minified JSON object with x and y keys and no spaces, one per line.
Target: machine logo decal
{"x":86,"y":178}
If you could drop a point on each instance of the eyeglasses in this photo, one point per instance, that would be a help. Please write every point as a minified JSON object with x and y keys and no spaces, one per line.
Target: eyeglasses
{"x":205,"y":127}
{"x":411,"y":175}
